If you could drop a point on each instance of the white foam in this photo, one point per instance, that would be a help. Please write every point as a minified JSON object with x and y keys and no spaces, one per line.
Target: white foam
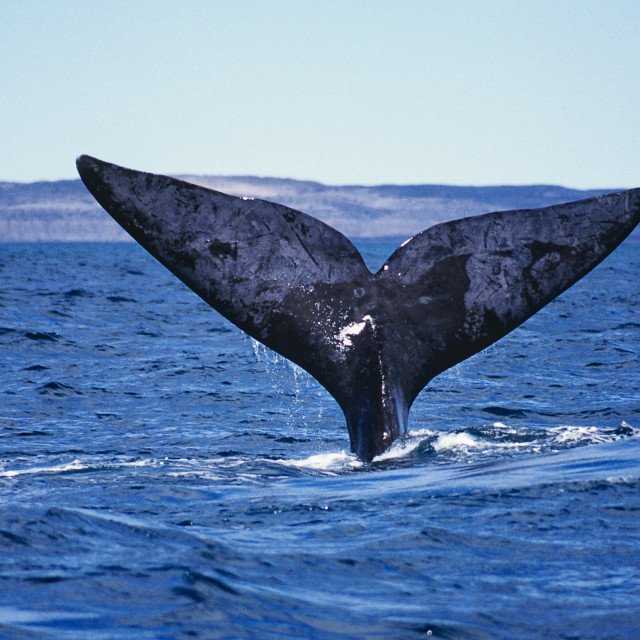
{"x":454,"y":441}
{"x":137,"y":463}
{"x":399,"y":449}
{"x":325,"y":461}
{"x":194,"y":474}
{"x":568,"y":434}
{"x":420,"y":433}
{"x":76,"y":465}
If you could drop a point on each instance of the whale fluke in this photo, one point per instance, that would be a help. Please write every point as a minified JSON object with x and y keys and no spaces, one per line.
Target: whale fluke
{"x":372,"y":340}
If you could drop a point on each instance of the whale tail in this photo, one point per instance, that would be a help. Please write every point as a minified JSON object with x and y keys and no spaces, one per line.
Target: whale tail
{"x":372,"y":340}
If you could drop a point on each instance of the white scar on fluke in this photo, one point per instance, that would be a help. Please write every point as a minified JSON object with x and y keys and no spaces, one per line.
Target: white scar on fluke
{"x":373,"y":340}
{"x":354,"y":329}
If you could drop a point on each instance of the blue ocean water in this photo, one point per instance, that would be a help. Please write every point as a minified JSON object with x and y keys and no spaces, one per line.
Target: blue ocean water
{"x":163,"y":476}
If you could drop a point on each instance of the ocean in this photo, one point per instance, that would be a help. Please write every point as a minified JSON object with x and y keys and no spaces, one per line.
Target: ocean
{"x":163,"y":476}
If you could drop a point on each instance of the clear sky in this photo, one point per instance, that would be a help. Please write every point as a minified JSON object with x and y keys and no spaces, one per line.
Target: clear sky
{"x":478,"y":92}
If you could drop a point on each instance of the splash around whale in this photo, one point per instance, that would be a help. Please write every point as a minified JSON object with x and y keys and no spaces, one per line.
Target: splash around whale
{"x":373,"y":340}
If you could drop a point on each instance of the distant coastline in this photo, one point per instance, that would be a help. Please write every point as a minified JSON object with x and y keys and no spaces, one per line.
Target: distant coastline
{"x":64,"y":211}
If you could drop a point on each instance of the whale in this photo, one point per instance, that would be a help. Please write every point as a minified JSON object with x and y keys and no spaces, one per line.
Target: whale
{"x":373,"y":340}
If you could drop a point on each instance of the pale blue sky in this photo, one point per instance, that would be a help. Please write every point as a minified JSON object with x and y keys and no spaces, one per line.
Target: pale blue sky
{"x":342,"y":92}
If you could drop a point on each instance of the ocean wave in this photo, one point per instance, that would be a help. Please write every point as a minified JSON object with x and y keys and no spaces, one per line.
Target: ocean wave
{"x":471,"y":445}
{"x":59,"y":389}
{"x":498,"y":439}
{"x":50,"y":336}
{"x":75,"y":466}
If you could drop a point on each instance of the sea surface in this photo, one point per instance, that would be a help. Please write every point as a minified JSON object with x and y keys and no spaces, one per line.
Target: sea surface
{"x":162,"y":476}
